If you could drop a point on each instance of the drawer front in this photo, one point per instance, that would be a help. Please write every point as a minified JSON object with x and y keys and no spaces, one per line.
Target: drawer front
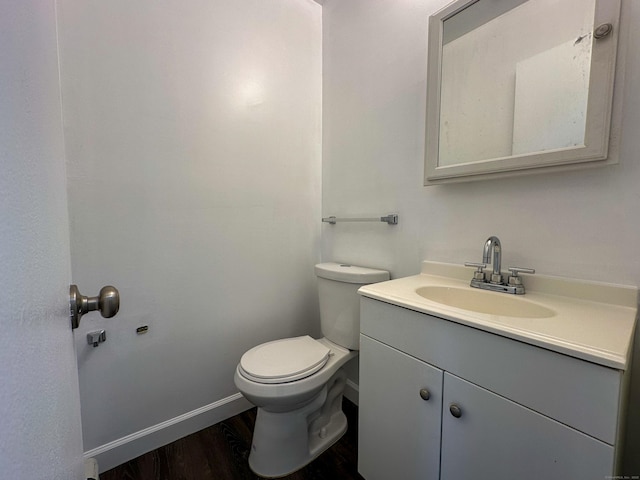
{"x":577,"y":393}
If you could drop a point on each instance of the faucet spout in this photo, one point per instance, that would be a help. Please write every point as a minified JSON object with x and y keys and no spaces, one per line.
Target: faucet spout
{"x":493,"y":245}
{"x":495,"y":283}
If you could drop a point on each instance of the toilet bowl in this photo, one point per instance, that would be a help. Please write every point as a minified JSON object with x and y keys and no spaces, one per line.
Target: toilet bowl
{"x":289,"y":395}
{"x":296,"y":420}
{"x":298,"y":383}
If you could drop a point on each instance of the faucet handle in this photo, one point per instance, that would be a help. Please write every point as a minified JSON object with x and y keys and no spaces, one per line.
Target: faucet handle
{"x":514,"y":279}
{"x":478,"y":274}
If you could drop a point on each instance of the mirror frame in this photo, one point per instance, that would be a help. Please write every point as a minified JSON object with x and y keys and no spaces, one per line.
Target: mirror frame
{"x":598,"y":118}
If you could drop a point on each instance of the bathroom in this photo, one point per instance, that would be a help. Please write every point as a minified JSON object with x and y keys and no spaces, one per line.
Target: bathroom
{"x":204,"y":141}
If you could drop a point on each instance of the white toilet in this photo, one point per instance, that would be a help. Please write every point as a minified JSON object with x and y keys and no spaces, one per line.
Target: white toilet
{"x":297,"y":383}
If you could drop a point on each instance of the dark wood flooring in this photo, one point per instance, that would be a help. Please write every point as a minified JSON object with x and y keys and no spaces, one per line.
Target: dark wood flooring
{"x":221,"y":452}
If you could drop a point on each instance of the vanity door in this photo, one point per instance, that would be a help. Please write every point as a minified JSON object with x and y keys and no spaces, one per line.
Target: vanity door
{"x":485,"y":435}
{"x":400,"y":414}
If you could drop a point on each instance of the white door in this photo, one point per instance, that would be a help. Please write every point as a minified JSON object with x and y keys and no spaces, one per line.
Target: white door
{"x":40,"y":431}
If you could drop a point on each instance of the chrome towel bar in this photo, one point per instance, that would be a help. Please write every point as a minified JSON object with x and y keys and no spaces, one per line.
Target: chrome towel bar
{"x":391,"y":219}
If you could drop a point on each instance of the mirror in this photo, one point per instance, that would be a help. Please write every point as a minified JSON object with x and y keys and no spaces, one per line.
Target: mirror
{"x":517,"y":86}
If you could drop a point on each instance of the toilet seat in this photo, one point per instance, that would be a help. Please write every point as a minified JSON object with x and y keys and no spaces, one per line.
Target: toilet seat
{"x":286,"y":360}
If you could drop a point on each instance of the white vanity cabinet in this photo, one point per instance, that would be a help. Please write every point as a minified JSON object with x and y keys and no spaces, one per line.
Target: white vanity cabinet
{"x":524,"y":412}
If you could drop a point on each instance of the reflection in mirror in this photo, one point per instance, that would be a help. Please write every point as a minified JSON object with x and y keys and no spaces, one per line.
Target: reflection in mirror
{"x":515,"y":84}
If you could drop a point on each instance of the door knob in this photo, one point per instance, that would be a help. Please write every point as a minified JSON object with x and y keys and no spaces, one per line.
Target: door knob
{"x":107,"y":301}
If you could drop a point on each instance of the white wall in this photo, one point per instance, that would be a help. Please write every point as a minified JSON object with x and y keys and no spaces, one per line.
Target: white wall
{"x":193,"y":135}
{"x":582,"y":224}
{"x":40,"y":434}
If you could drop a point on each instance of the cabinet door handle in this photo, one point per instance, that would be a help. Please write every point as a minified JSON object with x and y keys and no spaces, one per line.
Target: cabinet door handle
{"x":424,"y":394}
{"x":455,"y":410}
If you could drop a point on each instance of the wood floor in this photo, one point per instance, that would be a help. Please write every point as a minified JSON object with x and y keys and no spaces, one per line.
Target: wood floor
{"x":220,"y":452}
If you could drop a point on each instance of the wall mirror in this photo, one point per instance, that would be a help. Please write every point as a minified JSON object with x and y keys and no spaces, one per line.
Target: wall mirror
{"x":518,"y":86}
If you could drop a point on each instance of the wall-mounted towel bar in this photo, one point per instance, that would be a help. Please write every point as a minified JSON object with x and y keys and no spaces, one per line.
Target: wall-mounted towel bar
{"x":391,"y":219}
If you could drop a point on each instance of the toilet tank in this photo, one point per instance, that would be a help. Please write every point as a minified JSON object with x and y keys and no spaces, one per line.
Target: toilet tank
{"x":338,"y":285}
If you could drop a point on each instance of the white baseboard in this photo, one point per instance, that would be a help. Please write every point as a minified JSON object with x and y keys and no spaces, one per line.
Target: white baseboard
{"x":138,"y":443}
{"x":352,"y":391}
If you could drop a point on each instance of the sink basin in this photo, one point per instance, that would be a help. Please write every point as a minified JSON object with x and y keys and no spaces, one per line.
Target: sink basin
{"x":480,"y":301}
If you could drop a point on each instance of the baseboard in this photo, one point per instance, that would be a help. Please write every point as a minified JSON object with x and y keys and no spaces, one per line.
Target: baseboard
{"x":352,"y":391}
{"x":127,"y":448}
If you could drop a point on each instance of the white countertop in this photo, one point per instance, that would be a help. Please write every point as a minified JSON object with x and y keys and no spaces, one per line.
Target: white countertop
{"x":593,"y":321}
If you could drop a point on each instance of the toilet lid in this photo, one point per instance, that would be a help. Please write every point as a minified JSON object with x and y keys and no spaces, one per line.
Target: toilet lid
{"x":284,"y":360}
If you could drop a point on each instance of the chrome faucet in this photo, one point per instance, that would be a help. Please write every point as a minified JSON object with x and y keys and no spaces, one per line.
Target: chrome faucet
{"x":493,"y":243}
{"x":495,"y":282}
